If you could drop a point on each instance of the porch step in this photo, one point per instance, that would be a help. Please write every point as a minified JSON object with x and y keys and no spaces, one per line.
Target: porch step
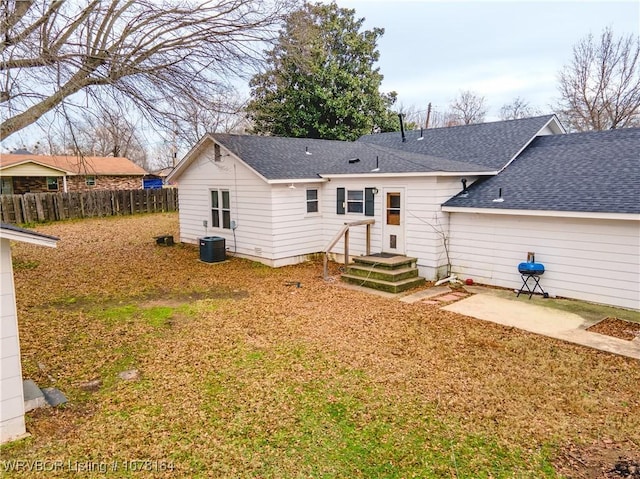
{"x":386,"y":262}
{"x":390,"y":273}
{"x":382,"y":273}
{"x":381,"y":285}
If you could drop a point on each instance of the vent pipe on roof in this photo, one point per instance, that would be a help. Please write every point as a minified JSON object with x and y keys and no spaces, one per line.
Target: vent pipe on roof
{"x":377,"y":168}
{"x":404,"y":138}
{"x":465,"y":193}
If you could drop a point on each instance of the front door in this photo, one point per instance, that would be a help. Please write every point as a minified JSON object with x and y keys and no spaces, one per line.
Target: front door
{"x":393,"y":221}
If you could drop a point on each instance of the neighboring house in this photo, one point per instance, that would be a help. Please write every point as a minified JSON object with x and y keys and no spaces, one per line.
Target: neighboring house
{"x":27,"y":173}
{"x":12,"y":425}
{"x":279,"y":200}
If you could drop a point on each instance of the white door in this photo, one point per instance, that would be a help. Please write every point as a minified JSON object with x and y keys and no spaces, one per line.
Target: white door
{"x":393,"y":221}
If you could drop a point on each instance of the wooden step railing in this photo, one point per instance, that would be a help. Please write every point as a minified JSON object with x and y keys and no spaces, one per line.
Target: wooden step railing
{"x":345,"y":232}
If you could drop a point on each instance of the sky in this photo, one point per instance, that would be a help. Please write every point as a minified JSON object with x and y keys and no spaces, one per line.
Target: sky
{"x":503,"y":49}
{"x":433,"y":50}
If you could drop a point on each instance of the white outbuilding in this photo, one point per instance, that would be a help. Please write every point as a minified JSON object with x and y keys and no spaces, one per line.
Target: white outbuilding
{"x":12,"y":424}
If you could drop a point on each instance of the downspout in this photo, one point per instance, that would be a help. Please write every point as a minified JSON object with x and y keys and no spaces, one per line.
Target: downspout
{"x":64,"y":183}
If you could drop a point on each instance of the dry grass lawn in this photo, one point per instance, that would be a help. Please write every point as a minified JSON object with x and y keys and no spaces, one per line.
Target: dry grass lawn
{"x":243,"y":374}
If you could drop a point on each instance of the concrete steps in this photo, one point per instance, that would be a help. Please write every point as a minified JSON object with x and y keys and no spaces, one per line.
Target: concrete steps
{"x":393,"y":274}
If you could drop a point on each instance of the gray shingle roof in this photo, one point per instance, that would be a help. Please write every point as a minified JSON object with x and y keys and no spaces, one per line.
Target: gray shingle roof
{"x":491,"y":145}
{"x":278,"y":158}
{"x":580,"y":172}
{"x":18,"y":229}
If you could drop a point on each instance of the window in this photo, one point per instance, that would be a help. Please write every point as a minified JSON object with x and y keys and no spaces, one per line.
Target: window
{"x":6,"y":186}
{"x":355,"y":201}
{"x":220,"y":209}
{"x":393,"y":208}
{"x":90,"y":180}
{"x":52,"y":183}
{"x":312,"y":201}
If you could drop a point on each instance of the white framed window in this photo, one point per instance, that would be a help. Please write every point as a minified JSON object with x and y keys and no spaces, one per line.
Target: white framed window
{"x":6,"y":186}
{"x":52,"y":183}
{"x":90,"y":180}
{"x":313,"y":204}
{"x":355,"y":201}
{"x":221,"y":209}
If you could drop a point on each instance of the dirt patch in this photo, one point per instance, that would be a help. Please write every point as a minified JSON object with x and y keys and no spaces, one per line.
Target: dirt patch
{"x":603,"y":460}
{"x":152,"y":299}
{"x":617,"y":328}
{"x":178,"y":299}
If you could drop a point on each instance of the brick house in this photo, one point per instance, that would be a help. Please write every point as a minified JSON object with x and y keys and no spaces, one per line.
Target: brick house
{"x":28,"y":173}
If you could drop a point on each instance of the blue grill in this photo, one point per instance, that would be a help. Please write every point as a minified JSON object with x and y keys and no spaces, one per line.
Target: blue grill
{"x":532,"y":268}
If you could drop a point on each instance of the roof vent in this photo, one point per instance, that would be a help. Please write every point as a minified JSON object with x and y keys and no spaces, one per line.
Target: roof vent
{"x":499,"y":199}
{"x":377,"y":168}
{"x":404,"y":138}
{"x":354,"y":160}
{"x":306,"y":150}
{"x":465,"y":192}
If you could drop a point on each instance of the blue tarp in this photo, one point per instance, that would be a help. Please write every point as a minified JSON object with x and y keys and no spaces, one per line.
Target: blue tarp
{"x":152,"y":183}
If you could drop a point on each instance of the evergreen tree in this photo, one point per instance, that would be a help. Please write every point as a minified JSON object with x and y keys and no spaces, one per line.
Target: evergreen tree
{"x":320,"y":80}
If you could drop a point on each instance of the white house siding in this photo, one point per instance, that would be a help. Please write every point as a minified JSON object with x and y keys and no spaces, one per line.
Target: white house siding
{"x":295,"y":233}
{"x":12,"y":425}
{"x":587,"y":259}
{"x":334,"y":222}
{"x":250,"y":198}
{"x":425,"y":224}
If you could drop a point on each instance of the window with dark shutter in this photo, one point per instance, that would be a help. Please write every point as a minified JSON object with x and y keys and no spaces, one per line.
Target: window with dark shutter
{"x":369,"y":201}
{"x":340,"y":205}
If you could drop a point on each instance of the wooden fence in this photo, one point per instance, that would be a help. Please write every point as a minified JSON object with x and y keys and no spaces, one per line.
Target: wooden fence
{"x":37,"y":207}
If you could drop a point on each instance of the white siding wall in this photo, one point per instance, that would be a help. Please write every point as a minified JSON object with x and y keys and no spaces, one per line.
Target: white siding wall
{"x":296,"y":233}
{"x":12,"y":424}
{"x":273,"y":226}
{"x":425,"y":224}
{"x":592,"y":260}
{"x":334,"y":222}
{"x":250,"y":204}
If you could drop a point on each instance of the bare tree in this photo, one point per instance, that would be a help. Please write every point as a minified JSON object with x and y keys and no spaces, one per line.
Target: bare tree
{"x":468,"y":108}
{"x":443,"y":119}
{"x":600,"y":88}
{"x":146,"y":51}
{"x":110,"y":132}
{"x":518,"y":108}
{"x":198,"y":119}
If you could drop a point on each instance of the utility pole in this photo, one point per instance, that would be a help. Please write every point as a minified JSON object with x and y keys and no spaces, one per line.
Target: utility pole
{"x":426,"y":123}
{"x":174,"y":145}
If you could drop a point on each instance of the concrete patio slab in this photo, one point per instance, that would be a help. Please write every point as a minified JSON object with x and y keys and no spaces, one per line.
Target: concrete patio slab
{"x":541,"y":320}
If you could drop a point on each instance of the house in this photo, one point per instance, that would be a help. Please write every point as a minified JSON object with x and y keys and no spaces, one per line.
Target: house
{"x":27,"y":173}
{"x":12,"y":425}
{"x":279,"y":200}
{"x":574,"y":201}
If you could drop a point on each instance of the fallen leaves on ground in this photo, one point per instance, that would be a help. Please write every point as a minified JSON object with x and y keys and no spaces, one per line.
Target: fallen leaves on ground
{"x":109,"y":299}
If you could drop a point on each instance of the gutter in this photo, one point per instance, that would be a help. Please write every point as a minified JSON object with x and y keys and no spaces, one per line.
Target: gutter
{"x":545,"y":213}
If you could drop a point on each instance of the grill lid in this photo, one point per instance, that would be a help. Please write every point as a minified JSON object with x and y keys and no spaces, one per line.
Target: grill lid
{"x":531,"y":268}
